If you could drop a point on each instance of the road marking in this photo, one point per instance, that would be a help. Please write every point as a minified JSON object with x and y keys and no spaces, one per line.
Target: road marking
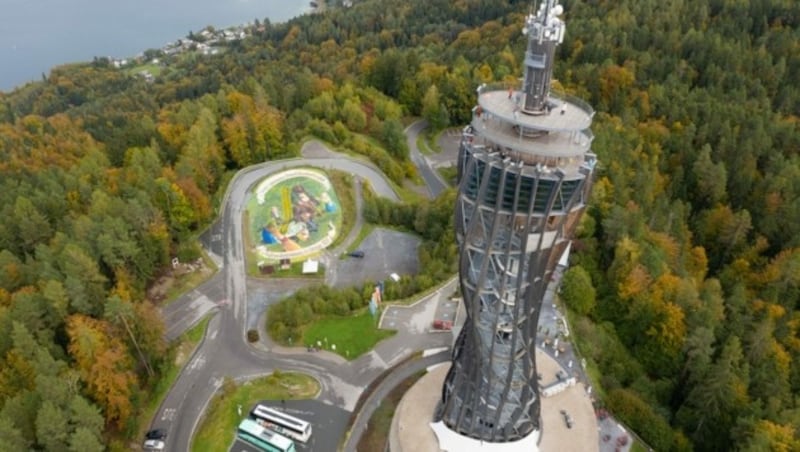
{"x":169,"y":414}
{"x":433,"y":351}
{"x":197,"y":363}
{"x":213,"y":335}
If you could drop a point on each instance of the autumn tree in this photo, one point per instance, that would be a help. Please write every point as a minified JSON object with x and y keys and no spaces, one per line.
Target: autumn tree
{"x":104,"y":365}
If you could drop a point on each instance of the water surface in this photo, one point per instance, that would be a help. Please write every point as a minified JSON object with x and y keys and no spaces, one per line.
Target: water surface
{"x":36,"y":35}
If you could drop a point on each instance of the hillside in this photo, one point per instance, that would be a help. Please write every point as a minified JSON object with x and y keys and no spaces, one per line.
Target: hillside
{"x":691,"y":245}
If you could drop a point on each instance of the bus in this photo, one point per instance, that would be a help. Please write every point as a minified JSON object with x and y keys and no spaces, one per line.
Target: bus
{"x":282,"y":423}
{"x":253,"y":433}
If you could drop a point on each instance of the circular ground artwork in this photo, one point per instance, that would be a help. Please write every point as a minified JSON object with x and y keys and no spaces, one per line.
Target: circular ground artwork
{"x":293,"y":213}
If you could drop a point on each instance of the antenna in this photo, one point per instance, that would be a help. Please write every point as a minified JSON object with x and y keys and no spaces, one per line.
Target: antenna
{"x":545,"y":30}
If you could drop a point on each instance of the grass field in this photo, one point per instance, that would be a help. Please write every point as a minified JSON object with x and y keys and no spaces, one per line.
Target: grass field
{"x":216,"y":431}
{"x":422,"y":144}
{"x":154,"y":69}
{"x":343,"y":185}
{"x":351,"y":336}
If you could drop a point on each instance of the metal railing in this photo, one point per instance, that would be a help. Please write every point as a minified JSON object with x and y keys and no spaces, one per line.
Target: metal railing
{"x":553,"y":94}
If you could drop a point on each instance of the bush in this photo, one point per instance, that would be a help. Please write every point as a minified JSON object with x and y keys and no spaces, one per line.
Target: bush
{"x":252,"y":336}
{"x":189,"y":251}
{"x":577,"y":290}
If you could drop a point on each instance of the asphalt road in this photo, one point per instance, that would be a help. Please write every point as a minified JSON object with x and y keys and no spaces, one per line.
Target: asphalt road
{"x":224,"y":352}
{"x":432,"y":178}
{"x":372,"y":403}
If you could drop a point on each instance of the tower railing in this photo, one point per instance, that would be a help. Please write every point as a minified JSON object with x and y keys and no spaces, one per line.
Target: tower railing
{"x":557,"y":95}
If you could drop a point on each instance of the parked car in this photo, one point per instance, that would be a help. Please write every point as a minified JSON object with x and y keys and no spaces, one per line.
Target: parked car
{"x":154,"y":444}
{"x":357,"y":253}
{"x":157,"y":433}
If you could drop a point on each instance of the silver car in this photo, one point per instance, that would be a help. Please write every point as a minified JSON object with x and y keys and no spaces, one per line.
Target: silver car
{"x":154,"y":444}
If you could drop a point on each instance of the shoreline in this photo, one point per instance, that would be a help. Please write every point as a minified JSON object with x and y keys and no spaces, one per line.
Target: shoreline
{"x":27,"y":53}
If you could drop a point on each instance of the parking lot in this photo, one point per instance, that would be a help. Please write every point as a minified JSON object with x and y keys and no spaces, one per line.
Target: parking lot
{"x":385,"y":252}
{"x":328,"y":422}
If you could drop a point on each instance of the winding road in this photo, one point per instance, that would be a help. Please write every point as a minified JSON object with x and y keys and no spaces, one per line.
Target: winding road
{"x":224,"y":351}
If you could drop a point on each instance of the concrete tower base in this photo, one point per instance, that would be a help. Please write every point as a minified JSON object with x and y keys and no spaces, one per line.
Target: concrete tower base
{"x":413,"y":429}
{"x":452,"y":441}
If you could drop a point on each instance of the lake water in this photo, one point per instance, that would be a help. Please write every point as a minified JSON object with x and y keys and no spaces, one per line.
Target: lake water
{"x":36,"y":35}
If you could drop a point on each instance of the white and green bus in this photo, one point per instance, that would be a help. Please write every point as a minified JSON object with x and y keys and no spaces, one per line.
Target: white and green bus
{"x":263,"y":438}
{"x":286,"y":425}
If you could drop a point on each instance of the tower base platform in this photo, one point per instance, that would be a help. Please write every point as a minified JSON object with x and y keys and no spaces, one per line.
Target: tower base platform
{"x":413,"y":429}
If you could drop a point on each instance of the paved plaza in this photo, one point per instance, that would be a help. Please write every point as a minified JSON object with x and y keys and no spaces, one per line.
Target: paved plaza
{"x":411,"y":431}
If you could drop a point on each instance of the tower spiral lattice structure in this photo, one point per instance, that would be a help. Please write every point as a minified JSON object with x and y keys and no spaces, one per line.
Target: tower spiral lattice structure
{"x":525,"y":171}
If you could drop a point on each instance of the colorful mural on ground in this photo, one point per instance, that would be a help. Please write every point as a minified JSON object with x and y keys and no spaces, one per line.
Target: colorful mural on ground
{"x":292,"y":214}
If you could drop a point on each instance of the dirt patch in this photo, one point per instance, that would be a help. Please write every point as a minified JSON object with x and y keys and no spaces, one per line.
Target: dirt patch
{"x":161,"y":288}
{"x":182,"y":354}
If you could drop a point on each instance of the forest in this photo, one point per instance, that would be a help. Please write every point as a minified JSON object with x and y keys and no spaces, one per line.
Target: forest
{"x":684,"y":287}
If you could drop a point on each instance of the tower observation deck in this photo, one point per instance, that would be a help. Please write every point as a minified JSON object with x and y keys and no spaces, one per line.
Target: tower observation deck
{"x":525,"y":169}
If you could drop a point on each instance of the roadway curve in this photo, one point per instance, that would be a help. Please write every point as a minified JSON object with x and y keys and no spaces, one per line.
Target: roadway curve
{"x":224,"y":352}
{"x":433,"y":181}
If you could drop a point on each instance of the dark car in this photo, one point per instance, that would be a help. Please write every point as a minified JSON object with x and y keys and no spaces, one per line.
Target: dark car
{"x":358,"y":253}
{"x":158,"y":433}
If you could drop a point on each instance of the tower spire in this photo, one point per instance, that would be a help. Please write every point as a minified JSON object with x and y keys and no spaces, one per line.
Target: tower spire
{"x":545,"y":31}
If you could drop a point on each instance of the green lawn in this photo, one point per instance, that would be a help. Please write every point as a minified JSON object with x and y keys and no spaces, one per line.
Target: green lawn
{"x":449,"y":174}
{"x":217,"y":430}
{"x":422,"y":143}
{"x":433,"y":141}
{"x":343,"y":185}
{"x":428,"y":142}
{"x":154,"y":69}
{"x":352,"y":336}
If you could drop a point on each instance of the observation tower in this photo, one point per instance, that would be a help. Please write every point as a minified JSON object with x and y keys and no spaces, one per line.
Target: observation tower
{"x":525,"y":170}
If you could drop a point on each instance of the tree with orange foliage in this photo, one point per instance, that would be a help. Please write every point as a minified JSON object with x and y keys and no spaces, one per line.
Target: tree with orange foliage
{"x":104,"y":365}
